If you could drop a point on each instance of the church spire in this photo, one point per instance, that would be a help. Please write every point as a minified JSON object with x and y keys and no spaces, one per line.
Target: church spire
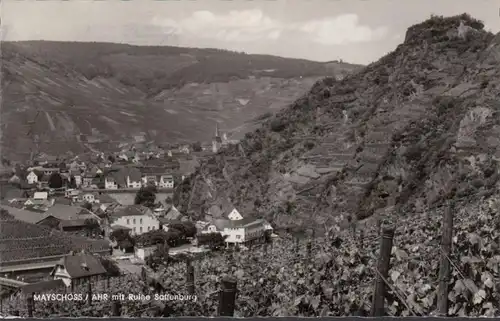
{"x":217,"y":130}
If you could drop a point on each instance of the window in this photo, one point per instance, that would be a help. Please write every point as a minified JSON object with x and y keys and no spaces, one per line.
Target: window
{"x":140,"y":229}
{"x":134,"y":220}
{"x":135,"y":229}
{"x":238,"y":237}
{"x":128,"y":221}
{"x":149,"y":228}
{"x":140,"y":222}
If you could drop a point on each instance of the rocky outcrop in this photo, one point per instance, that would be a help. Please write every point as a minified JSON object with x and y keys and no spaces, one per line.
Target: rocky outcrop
{"x":415,"y":128}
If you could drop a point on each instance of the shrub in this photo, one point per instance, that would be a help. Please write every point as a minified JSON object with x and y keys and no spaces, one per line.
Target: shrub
{"x":277,"y":125}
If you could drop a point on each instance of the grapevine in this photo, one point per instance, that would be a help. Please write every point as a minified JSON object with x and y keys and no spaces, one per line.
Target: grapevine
{"x":337,"y":280}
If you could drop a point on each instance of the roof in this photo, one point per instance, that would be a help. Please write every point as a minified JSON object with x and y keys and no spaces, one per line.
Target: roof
{"x":82,"y":265}
{"x":105,"y":198}
{"x":119,"y":227}
{"x":42,"y":286}
{"x":243,"y":223}
{"x":131,"y":210}
{"x":22,"y":241}
{"x":68,"y":212}
{"x":40,"y":195}
{"x":73,"y":223}
{"x":173,"y":214}
{"x":23,"y":215}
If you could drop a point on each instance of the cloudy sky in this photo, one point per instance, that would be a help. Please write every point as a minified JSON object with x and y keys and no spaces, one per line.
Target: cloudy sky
{"x":358,"y":31}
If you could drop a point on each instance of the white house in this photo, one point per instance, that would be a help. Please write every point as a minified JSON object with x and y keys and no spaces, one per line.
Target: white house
{"x":234,"y":215}
{"x":89,"y":197}
{"x":71,"y":193}
{"x":78,"y":180}
{"x":40,"y":196}
{"x":138,"y":218}
{"x":239,"y":231}
{"x":32,"y":178}
{"x":110,"y":183}
{"x":166,"y":181}
{"x":133,"y":183}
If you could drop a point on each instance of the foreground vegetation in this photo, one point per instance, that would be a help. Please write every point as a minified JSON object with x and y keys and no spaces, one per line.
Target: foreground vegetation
{"x":335,"y":278}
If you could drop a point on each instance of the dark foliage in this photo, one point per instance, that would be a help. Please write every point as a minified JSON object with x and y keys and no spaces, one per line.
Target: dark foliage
{"x":55,"y":180}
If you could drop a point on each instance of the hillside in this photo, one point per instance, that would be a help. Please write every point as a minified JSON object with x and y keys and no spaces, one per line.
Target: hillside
{"x":416,"y":128}
{"x":89,"y":94}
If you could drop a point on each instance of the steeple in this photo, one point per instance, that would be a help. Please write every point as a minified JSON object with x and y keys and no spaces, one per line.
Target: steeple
{"x":217,"y":130}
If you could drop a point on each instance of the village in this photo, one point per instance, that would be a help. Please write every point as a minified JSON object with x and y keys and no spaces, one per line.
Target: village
{"x":116,"y":208}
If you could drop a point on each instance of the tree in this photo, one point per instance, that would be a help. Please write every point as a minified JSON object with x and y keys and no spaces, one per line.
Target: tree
{"x":146,"y":196}
{"x":72,"y":182}
{"x":111,"y":267}
{"x":55,"y":180}
{"x":187,"y":229}
{"x":213,"y":240}
{"x":197,"y":147}
{"x":87,"y":206}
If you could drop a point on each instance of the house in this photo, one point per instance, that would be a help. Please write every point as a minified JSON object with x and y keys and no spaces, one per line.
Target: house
{"x":173,"y":214}
{"x":32,"y":178}
{"x":77,"y":176}
{"x":143,"y":252}
{"x":89,"y":198}
{"x":138,"y":218}
{"x":105,"y":201}
{"x":133,"y":177}
{"x":244,"y":231}
{"x":110,"y":183}
{"x":78,"y":268}
{"x":234,"y":215}
{"x":123,"y":177}
{"x":38,"y":196}
{"x":166,"y":181}
{"x":71,"y":193}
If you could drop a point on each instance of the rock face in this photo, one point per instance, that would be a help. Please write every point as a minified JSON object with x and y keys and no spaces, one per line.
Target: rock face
{"x":416,"y":128}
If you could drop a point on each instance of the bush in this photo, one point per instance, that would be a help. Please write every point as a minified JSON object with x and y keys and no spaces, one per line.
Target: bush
{"x":277,"y":125}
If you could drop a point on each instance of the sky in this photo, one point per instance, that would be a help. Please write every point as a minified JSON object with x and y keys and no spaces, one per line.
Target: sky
{"x":357,"y":31}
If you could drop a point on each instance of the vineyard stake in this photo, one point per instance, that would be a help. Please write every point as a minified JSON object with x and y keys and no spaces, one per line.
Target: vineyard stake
{"x":444,"y":266}
{"x":190,"y":276}
{"x":30,"y":302}
{"x":117,"y":308}
{"x":309,"y":250}
{"x":89,"y":291}
{"x":227,"y":297}
{"x":383,"y":268}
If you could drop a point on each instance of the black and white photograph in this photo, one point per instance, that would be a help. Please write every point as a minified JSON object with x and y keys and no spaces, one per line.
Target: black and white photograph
{"x":249,"y":158}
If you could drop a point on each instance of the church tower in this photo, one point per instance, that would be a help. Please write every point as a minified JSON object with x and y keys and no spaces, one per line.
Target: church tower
{"x":216,"y":141}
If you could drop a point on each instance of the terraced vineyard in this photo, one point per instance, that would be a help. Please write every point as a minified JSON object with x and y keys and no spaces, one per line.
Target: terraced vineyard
{"x":374,"y":138}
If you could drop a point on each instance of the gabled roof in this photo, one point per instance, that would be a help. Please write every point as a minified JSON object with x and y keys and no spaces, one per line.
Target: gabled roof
{"x":81,"y":265}
{"x":131,"y":210}
{"x":173,"y":213}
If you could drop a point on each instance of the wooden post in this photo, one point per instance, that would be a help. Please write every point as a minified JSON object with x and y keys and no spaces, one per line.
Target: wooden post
{"x":89,"y":291}
{"x":30,"y":302}
{"x":227,"y":297}
{"x":117,"y":308}
{"x":384,"y":259}
{"x":190,"y":276}
{"x":444,"y":266}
